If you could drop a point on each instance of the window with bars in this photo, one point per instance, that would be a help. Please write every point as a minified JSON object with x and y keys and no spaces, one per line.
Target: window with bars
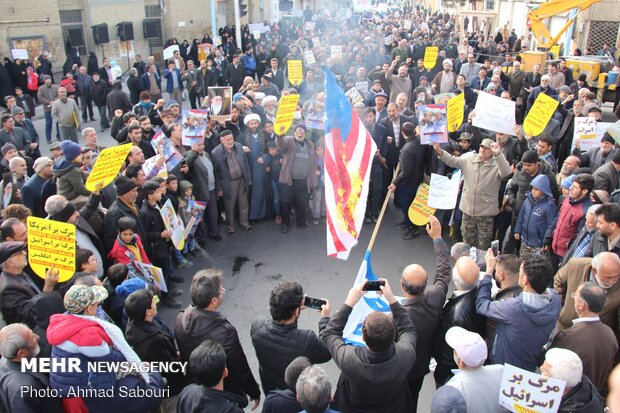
{"x":153,"y":16}
{"x":72,"y":27}
{"x":602,"y":32}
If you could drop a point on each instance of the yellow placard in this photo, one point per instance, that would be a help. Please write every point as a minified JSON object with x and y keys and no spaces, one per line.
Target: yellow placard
{"x":555,"y":50}
{"x":286,"y":110}
{"x":419,"y":211}
{"x":430,"y":57}
{"x":51,"y":244}
{"x":539,"y":115}
{"x":456,"y":112}
{"x":107,"y":166}
{"x":295,"y":72}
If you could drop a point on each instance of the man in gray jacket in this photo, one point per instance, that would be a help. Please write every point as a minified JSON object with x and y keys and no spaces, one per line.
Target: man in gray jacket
{"x":479,"y":201}
{"x":65,"y":111}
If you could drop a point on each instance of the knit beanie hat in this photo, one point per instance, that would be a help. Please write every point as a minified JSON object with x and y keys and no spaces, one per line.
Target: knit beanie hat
{"x":70,"y":150}
{"x":124,"y":185}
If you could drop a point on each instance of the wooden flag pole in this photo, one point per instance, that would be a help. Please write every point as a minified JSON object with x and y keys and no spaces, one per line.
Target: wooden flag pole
{"x":380,"y":219}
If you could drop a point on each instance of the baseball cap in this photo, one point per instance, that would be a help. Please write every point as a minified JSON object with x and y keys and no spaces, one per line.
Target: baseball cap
{"x":81,"y":296}
{"x":469,"y":346}
{"x":487,"y":143}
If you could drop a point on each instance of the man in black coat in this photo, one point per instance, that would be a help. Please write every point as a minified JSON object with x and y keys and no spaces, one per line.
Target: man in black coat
{"x":393,"y":123}
{"x":202,"y":321}
{"x":373,"y":378}
{"x":278,"y":341}
{"x":410,"y":175}
{"x":234,"y":73}
{"x":459,"y":310}
{"x":424,"y":304}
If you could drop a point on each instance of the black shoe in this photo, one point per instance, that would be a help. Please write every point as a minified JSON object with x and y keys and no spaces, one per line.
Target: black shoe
{"x":284,"y":228}
{"x":411,"y":233}
{"x":248,"y":228}
{"x":176,"y":279}
{"x":375,"y":218}
{"x":368,"y":220}
{"x":171,"y":302}
{"x":231,"y":232}
{"x":402,"y":225}
{"x":216,"y":237}
{"x":304,"y":228}
{"x":175,"y":292}
{"x":92,"y":119}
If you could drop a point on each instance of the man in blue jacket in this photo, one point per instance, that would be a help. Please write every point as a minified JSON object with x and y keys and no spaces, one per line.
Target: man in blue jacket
{"x":524,"y":323}
{"x":174,"y":82}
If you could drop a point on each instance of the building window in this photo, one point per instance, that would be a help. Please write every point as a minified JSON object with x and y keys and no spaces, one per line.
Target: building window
{"x":490,"y":4}
{"x":153,"y":16}
{"x":73,"y":30}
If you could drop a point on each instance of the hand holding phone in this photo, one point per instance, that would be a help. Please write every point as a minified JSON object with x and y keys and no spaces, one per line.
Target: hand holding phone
{"x":495,"y":247}
{"x":373,"y":285}
{"x":314,"y":303}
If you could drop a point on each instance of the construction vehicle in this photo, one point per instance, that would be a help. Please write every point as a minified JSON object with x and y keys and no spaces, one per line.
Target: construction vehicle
{"x":596,"y":68}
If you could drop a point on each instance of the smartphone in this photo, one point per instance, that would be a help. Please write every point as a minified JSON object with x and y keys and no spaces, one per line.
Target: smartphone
{"x":373,"y":285}
{"x":315,"y":303}
{"x":495,"y":247}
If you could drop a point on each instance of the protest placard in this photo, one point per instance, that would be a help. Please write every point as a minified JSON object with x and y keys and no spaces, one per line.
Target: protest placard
{"x":430,"y":57}
{"x":419,"y":211}
{"x":443,"y":191}
{"x":614,"y":131}
{"x":589,"y":132}
{"x":354,"y":96}
{"x":286,"y":110}
{"x":19,"y":53}
{"x":443,"y":98}
{"x":494,"y":114}
{"x":194,"y":125}
{"x":309,"y":57}
{"x":407,"y":25}
{"x":150,"y":165}
{"x":295,"y":72}
{"x":162,"y":145}
{"x":316,"y":42}
{"x":309,"y":26}
{"x":336,"y":52}
{"x":456,"y":112}
{"x":151,"y":274}
{"x":51,"y":244}
{"x":169,"y":51}
{"x":256,"y":34}
{"x":217,"y":40}
{"x":174,"y":224}
{"x":539,"y":115}
{"x":387,"y":40}
{"x":433,"y":124}
{"x":220,"y":106}
{"x":107,"y":166}
{"x":522,"y":391}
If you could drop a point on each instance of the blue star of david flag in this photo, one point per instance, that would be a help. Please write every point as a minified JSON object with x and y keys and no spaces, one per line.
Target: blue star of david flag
{"x":370,"y":302}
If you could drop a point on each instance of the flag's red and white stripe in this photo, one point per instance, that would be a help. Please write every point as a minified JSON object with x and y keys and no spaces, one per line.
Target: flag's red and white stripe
{"x":347,"y":175}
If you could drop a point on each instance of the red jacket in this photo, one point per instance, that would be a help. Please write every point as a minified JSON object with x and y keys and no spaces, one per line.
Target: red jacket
{"x":570,"y":220}
{"x":119,"y":253}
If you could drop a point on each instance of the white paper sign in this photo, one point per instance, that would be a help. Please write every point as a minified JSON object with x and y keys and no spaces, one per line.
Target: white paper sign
{"x":309,"y":57}
{"x":443,"y":191}
{"x":524,"y":391}
{"x":19,"y":53}
{"x":309,"y":26}
{"x":169,"y":51}
{"x":217,"y":41}
{"x":182,"y":24}
{"x":316,"y":42}
{"x":387,"y":40}
{"x":495,"y":114}
{"x":589,"y":132}
{"x":256,"y":34}
{"x":407,"y":25}
{"x":336,"y":52}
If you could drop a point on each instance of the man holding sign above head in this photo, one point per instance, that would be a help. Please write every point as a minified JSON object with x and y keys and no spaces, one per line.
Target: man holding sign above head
{"x":543,"y":88}
{"x":479,"y":202}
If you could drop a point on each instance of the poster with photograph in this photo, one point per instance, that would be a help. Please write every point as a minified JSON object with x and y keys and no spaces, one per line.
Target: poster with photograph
{"x":194,"y":125}
{"x":162,"y":146}
{"x":433,"y":124}
{"x":151,"y":169}
{"x":221,"y":102}
{"x":174,"y":224}
{"x":151,"y":274}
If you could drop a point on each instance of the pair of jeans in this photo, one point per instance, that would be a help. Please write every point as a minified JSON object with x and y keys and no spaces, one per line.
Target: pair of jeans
{"x":49,"y":124}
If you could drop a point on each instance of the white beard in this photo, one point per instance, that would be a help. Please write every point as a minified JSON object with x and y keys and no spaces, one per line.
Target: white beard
{"x":216,"y":109}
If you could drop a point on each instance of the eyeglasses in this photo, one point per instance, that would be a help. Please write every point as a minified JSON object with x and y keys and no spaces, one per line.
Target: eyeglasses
{"x":93,"y":259}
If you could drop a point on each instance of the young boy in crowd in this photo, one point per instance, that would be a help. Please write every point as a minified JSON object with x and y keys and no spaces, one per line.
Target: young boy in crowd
{"x":535,"y":221}
{"x":318,"y":193}
{"x":158,"y":238}
{"x":186,"y":205}
{"x":273,"y":164}
{"x":128,"y":246}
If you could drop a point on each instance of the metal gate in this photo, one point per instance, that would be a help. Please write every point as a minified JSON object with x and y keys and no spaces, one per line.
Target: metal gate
{"x":602,"y":32}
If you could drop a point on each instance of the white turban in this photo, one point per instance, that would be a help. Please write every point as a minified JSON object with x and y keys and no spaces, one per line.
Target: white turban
{"x":250,"y":117}
{"x":448,"y":61}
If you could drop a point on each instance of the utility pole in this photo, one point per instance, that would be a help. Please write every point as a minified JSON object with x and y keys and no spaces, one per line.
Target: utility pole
{"x":213,"y":20}
{"x":237,"y":24}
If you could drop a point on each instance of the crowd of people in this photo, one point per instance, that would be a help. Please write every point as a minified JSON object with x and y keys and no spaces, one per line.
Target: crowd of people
{"x":545,"y":297}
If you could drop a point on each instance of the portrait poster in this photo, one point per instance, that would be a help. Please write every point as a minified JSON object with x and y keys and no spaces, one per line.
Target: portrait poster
{"x":220,"y":98}
{"x":433,"y":124}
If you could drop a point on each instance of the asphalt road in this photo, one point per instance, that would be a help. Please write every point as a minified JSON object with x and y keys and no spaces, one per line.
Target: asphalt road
{"x":253,"y":263}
